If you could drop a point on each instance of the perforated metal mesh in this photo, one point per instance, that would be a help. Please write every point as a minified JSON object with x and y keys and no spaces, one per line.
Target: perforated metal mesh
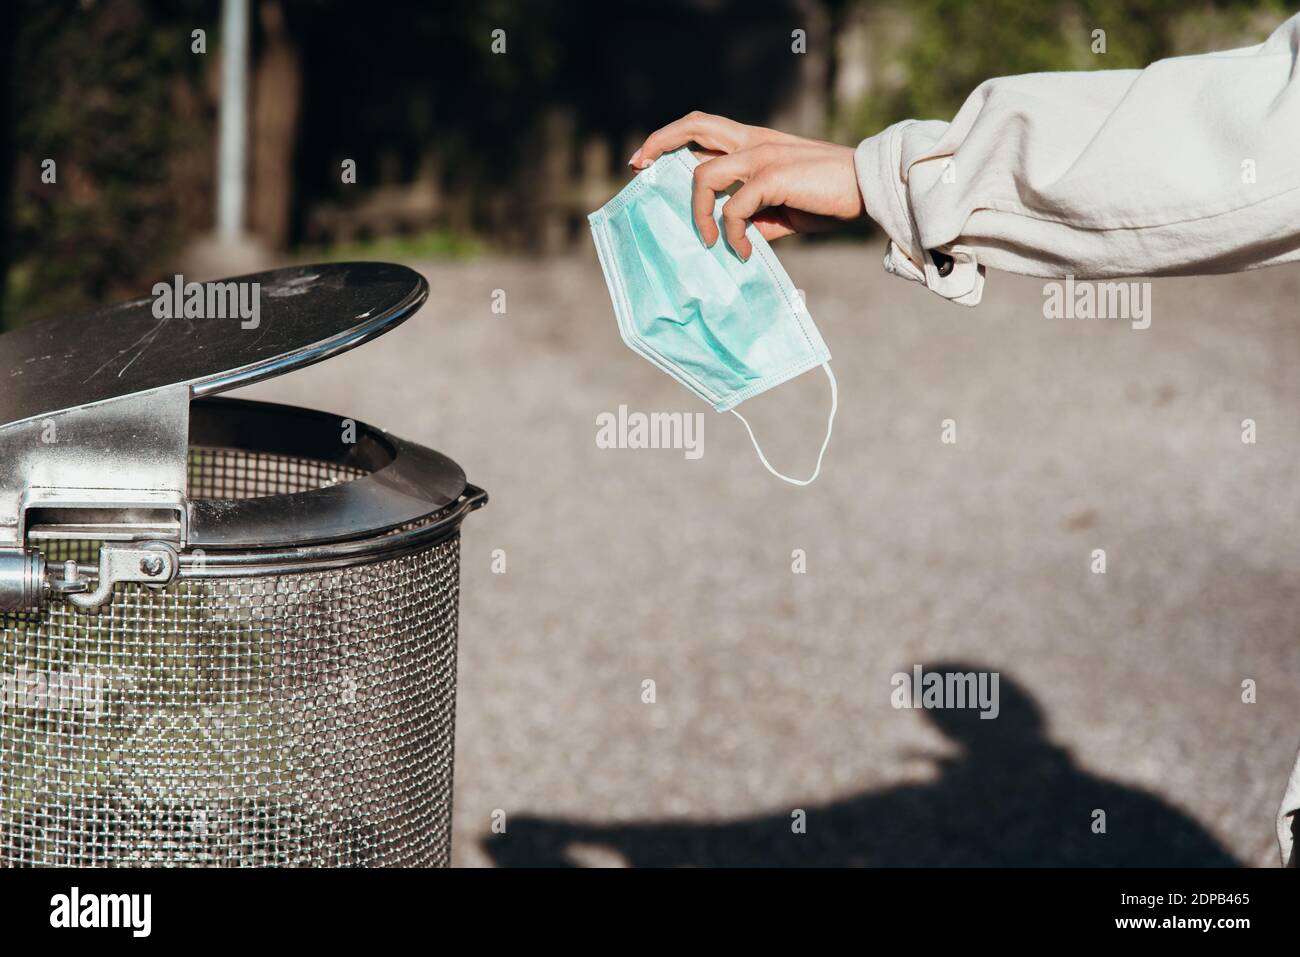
{"x":291,"y":720}
{"x":236,"y":473}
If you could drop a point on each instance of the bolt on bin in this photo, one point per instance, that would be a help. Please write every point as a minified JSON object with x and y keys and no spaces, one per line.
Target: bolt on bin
{"x":227,"y":628}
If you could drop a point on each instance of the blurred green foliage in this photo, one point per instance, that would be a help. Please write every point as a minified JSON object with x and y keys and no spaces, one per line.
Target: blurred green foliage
{"x":949,"y":47}
{"x":95,"y":87}
{"x":431,"y":244}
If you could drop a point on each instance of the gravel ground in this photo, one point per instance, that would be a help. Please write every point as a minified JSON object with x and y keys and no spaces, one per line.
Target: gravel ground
{"x":1119,"y":692}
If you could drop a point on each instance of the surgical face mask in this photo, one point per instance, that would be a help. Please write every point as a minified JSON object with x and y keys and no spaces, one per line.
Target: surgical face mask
{"x":726,"y":329}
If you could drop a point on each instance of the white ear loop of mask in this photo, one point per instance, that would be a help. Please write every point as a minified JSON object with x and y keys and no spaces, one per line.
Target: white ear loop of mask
{"x":830,"y":423}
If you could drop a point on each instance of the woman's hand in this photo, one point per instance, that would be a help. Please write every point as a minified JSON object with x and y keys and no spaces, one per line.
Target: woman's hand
{"x":790,"y":184}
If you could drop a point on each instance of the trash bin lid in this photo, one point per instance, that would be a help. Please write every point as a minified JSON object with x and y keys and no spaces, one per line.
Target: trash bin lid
{"x":118,"y":384}
{"x":303,"y":314}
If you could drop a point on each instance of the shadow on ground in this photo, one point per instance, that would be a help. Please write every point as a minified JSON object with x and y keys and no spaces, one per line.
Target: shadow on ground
{"x":1010,"y":797}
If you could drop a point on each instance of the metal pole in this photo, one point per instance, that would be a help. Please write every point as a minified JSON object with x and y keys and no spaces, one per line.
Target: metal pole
{"x":232,"y":147}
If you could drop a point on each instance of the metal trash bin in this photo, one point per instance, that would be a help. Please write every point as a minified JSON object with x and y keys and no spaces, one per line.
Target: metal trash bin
{"x":227,"y":628}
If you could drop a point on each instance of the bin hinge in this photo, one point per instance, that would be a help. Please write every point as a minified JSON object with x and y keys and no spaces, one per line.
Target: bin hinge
{"x":27,"y":581}
{"x":112,"y":472}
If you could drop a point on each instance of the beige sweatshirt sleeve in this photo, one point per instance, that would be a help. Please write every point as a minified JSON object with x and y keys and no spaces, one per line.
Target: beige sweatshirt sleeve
{"x":1189,"y":166}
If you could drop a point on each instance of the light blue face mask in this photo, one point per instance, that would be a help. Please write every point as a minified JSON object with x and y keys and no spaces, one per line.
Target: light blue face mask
{"x":725,"y":329}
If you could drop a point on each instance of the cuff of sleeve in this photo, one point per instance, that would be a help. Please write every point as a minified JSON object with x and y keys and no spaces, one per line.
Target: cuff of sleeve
{"x":878,"y":162}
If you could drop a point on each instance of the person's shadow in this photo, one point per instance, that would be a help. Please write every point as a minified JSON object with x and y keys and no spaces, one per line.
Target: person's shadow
{"x":1011,"y":797}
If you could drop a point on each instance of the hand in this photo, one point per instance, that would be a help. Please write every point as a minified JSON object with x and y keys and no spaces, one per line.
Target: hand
{"x":791,"y":184}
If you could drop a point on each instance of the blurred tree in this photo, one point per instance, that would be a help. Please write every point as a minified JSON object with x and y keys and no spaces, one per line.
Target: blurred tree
{"x":938,"y":51}
{"x":277,"y":98}
{"x":107,"y":91}
{"x":8,"y":37}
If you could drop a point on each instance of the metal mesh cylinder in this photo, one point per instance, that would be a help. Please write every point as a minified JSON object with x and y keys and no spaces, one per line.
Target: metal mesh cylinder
{"x":297,"y":719}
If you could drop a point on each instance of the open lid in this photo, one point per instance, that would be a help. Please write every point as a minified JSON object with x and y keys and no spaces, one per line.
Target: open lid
{"x":95,"y":409}
{"x":210,"y":337}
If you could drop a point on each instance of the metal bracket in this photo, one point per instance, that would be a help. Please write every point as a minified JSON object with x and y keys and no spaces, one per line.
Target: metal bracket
{"x":152,"y":563}
{"x":27,"y":582}
{"x":112,"y":470}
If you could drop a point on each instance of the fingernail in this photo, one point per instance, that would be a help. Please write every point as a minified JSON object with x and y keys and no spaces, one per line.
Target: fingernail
{"x":635,"y":160}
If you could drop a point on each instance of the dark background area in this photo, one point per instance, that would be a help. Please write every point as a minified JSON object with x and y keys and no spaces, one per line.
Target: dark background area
{"x":459,"y":148}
